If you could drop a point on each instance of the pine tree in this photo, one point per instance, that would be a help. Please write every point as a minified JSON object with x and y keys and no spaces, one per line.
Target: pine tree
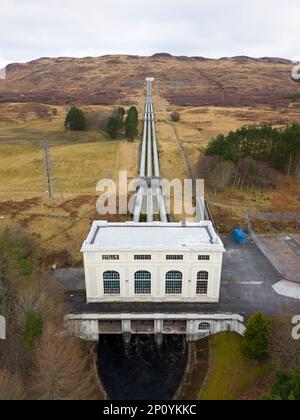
{"x":256,"y":337}
{"x":75,"y":120}
{"x":115,"y":123}
{"x":286,"y":386}
{"x":113,"y":126}
{"x":263,"y":143}
{"x":131,"y":124}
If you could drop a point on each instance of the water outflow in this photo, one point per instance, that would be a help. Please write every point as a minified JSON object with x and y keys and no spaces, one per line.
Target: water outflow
{"x":142,"y":371}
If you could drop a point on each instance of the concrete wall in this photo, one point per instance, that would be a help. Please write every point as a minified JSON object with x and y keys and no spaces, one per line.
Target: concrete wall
{"x":158,"y":266}
{"x":90,"y":326}
{"x":2,"y":328}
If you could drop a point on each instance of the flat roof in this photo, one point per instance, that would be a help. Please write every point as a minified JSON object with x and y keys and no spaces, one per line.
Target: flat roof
{"x":185,"y":236}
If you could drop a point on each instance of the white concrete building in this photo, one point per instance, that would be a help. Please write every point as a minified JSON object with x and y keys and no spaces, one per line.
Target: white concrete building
{"x":153,"y":262}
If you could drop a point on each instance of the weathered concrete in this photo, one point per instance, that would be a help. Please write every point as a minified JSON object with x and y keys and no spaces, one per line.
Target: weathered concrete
{"x":247,"y":283}
{"x":288,"y":289}
{"x":283,"y":251}
{"x":194,"y":326}
{"x":2,"y":328}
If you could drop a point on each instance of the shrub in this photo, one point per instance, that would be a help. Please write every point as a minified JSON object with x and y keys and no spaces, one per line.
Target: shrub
{"x":256,"y":337}
{"x":175,"y":116}
{"x":32,"y":331}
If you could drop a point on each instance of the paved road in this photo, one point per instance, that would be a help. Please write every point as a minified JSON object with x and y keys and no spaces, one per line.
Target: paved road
{"x":247,"y":281}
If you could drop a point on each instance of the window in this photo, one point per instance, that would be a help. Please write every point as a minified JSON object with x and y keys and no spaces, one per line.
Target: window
{"x":142,"y":257}
{"x":204,"y":326}
{"x":202,"y":275}
{"x":174,"y":257}
{"x":142,"y":283}
{"x":202,"y":283}
{"x":111,"y":283}
{"x":110,"y":257}
{"x":174,"y":283}
{"x":203,"y":257}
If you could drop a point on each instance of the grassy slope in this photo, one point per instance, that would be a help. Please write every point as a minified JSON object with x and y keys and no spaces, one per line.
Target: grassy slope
{"x":79,"y":160}
{"x":195,"y":128}
{"x":76,"y":166}
{"x":231,"y":372}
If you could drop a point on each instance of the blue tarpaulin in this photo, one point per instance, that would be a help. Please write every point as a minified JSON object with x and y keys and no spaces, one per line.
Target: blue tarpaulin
{"x":239,"y":236}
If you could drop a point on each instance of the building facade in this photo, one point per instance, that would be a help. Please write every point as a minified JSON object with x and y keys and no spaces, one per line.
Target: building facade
{"x":153,"y":262}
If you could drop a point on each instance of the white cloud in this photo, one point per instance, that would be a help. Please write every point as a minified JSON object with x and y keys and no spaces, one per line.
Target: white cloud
{"x":32,"y":28}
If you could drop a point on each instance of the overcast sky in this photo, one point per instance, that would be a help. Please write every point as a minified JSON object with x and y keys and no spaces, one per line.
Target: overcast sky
{"x":30,"y":29}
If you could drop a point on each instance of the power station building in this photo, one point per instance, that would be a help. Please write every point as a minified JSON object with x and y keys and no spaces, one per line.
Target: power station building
{"x":153,"y":262}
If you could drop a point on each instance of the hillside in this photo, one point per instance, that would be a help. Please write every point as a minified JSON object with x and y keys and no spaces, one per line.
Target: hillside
{"x":109,"y":80}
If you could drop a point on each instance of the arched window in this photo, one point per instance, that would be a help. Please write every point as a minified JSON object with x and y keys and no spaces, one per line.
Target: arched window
{"x":142,"y":283}
{"x":202,"y":283}
{"x":204,"y":326}
{"x":111,"y":283}
{"x":173,"y":283}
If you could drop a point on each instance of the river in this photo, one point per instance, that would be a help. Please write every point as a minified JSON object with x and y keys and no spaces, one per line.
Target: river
{"x":141,"y":372}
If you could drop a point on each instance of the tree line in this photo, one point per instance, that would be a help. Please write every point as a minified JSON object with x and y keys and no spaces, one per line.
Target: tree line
{"x":277,"y":147}
{"x":250,"y":157}
{"x":118,"y":125}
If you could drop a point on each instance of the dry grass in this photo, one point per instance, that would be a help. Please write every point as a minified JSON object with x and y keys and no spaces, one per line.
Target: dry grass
{"x":194,"y":130}
{"x":79,"y":160}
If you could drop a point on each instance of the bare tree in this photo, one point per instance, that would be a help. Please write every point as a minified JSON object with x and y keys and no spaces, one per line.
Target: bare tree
{"x":221,"y":176}
{"x":61,"y":368}
{"x":206,"y":164}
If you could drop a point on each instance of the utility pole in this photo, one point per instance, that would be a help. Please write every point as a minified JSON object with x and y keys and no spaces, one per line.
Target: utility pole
{"x":47,"y":167}
{"x":289,"y":167}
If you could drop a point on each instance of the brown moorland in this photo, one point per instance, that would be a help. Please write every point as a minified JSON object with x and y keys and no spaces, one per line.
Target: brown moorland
{"x":196,"y":81}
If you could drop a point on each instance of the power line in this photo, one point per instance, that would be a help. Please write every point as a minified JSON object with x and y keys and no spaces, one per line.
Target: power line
{"x":49,"y":183}
{"x":47,"y":167}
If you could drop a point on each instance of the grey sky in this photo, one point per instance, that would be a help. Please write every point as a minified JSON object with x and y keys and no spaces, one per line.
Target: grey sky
{"x":31,"y":29}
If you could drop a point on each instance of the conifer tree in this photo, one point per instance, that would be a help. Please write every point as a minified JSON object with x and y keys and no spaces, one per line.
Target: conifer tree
{"x":256,"y":337}
{"x":131,"y":124}
{"x":286,"y":386}
{"x":75,"y":120}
